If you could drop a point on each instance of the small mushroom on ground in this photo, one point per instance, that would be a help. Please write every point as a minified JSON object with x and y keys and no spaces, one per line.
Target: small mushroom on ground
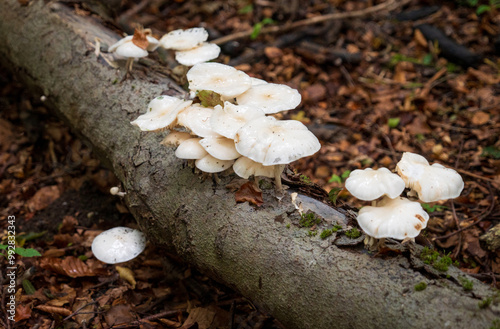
{"x":119,"y":244}
{"x":270,"y":97}
{"x":397,"y":218}
{"x":161,"y":113}
{"x":432,"y":183}
{"x":273,"y":142}
{"x":369,"y":184}
{"x":222,"y":79}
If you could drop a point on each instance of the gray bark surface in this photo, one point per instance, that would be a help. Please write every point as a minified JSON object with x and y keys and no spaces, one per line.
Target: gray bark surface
{"x":301,"y":280}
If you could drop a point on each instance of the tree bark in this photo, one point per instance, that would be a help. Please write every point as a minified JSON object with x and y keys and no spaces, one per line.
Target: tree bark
{"x":303,"y":281}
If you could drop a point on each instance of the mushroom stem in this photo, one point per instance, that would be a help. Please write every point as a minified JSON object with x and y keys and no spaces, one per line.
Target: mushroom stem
{"x":129,"y":64}
{"x":278,"y":169}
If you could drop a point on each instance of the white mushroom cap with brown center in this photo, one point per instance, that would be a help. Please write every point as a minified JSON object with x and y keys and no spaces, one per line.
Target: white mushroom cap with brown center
{"x":203,"y":53}
{"x":270,"y":97}
{"x":210,"y":164}
{"x":245,"y":167}
{"x":119,"y":244}
{"x":184,"y":39}
{"x":228,"y":119}
{"x":369,"y":184}
{"x":220,"y":148}
{"x":432,"y":183}
{"x":196,"y":118}
{"x":223,"y":79}
{"x":190,"y":149}
{"x":127,"y":41}
{"x":270,"y":141}
{"x":397,"y":218}
{"x":161,"y":113}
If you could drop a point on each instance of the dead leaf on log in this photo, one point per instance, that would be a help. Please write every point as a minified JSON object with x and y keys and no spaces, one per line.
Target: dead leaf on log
{"x":249,"y":192}
{"x":72,"y":266}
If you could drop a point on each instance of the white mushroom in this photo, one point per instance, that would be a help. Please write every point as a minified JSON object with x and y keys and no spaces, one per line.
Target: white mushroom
{"x":270,"y":97}
{"x":196,"y":118}
{"x":432,"y":183}
{"x":190,"y":149}
{"x":203,"y":53}
{"x":184,"y":39}
{"x":134,"y":46}
{"x":272,"y":142}
{"x":397,"y":218}
{"x":245,"y":167}
{"x":369,"y":184}
{"x":221,"y":148}
{"x":210,"y":164}
{"x":175,"y":138}
{"x":223,"y":79}
{"x":161,"y":113}
{"x":228,"y":119}
{"x":117,"y":245}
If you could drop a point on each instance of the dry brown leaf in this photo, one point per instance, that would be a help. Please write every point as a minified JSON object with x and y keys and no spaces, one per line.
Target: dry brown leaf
{"x":54,"y":310}
{"x":249,"y":192}
{"x":121,"y":313}
{"x":85,"y":309}
{"x":126,"y":274}
{"x":72,"y":266}
{"x":68,"y":224}
{"x":480,"y":118}
{"x":43,"y":197}
{"x":23,"y":312}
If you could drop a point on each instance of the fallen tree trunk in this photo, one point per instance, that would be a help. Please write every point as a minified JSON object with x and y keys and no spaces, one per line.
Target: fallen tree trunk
{"x":303,"y":281}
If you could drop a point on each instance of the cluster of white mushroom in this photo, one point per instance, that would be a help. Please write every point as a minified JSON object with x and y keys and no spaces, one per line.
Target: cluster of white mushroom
{"x":191,"y":46}
{"x":394,"y":216}
{"x":236,"y":132}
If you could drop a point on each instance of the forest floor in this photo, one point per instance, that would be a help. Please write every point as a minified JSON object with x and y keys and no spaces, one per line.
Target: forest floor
{"x":372,"y":88}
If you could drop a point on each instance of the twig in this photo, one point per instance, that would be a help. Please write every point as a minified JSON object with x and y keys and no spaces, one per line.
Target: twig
{"x":148,"y":318}
{"x":78,"y":310}
{"x":388,"y":5}
{"x":468,"y":173}
{"x":480,"y":218}
{"x":459,"y":245}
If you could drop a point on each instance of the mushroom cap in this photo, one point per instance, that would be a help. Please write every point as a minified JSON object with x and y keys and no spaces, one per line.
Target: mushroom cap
{"x":397,"y":218}
{"x":270,"y":142}
{"x":369,"y":184}
{"x":162,"y":112}
{"x":245,"y":167}
{"x":128,"y":49}
{"x":196,"y":118}
{"x":175,"y":138}
{"x":190,"y":149}
{"x":223,"y":79}
{"x":228,"y":119}
{"x":184,"y":39}
{"x":117,"y":245}
{"x":221,"y":148}
{"x":203,"y":53}
{"x":432,"y":183}
{"x":212,"y":165}
{"x":270,"y":97}
{"x":153,"y":44}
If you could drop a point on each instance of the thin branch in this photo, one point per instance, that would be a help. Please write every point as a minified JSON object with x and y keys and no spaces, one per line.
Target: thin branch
{"x":388,"y":5}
